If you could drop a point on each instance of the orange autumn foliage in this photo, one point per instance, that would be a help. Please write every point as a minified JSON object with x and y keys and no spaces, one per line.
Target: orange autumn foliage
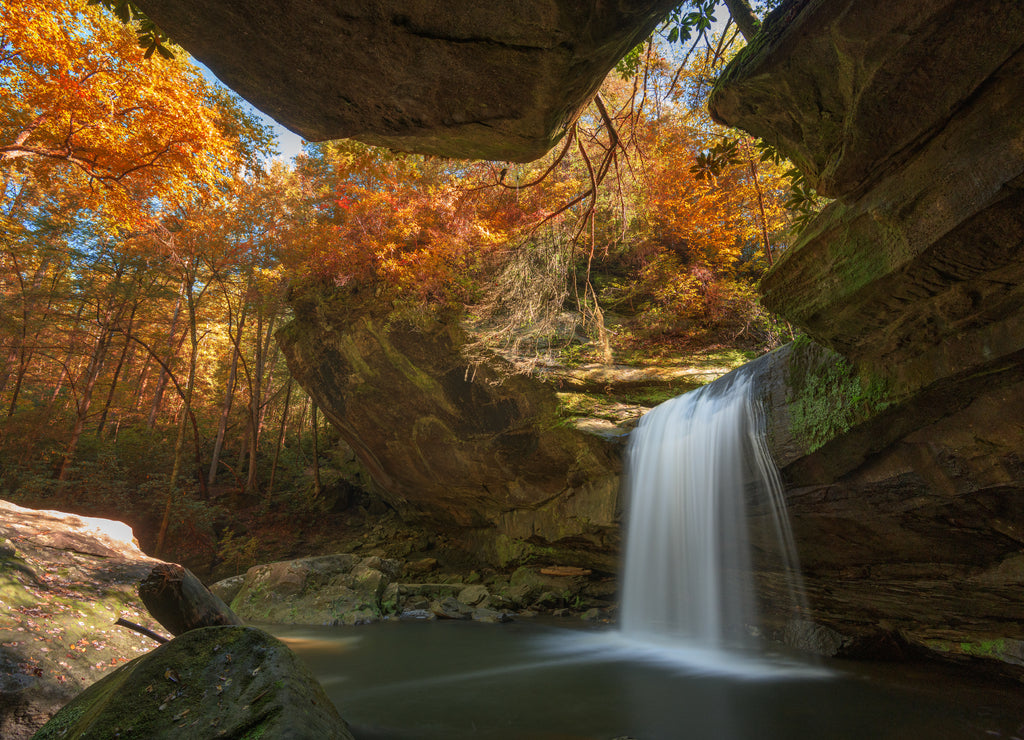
{"x":81,"y":104}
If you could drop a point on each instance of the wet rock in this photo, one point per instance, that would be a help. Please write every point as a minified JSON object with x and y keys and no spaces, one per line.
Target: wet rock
{"x":450,"y":608}
{"x":474,"y":595}
{"x":521,"y":594}
{"x":209,"y":682}
{"x":490,"y":616}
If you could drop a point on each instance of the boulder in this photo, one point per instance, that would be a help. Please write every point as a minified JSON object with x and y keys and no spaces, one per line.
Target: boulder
{"x":474,"y":595}
{"x":209,"y":682}
{"x":465,"y":446}
{"x":227,"y":589}
{"x":324,"y":590}
{"x":64,"y":581}
{"x":501,"y":80}
{"x":450,"y":608}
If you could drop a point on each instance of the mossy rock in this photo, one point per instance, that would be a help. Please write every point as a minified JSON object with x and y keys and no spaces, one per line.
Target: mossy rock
{"x":223,"y":682}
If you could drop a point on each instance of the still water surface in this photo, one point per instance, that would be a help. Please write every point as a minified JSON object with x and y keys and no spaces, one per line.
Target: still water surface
{"x":528,"y":680}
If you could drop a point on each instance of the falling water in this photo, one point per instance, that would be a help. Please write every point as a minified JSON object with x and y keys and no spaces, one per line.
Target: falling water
{"x":694,"y":463}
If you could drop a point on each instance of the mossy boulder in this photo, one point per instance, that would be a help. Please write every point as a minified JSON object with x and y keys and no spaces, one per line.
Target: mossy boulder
{"x":324,"y":590}
{"x":212,"y":682}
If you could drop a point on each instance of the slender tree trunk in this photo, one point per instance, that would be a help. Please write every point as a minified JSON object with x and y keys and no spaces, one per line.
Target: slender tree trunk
{"x":229,"y":393}
{"x":256,"y":402}
{"x":760,"y":204}
{"x":316,"y":453}
{"x":280,"y":439}
{"x":161,"y":384}
{"x":85,"y":400}
{"x":179,"y":442}
{"x":121,"y":362}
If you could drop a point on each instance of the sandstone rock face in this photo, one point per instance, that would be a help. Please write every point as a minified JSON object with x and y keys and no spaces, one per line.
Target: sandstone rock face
{"x":498,"y":80}
{"x":209,"y":682}
{"x":64,"y":581}
{"x":911,"y":116}
{"x":903,"y":453}
{"x":852,"y":89}
{"x":908,"y":512}
{"x":464,"y":446}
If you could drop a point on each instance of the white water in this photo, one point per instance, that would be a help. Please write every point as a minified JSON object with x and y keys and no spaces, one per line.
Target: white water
{"x":693,"y":465}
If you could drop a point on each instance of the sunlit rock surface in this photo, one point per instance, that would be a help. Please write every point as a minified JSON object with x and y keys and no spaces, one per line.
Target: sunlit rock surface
{"x":909,"y":114}
{"x":494,"y":80}
{"x":64,"y":581}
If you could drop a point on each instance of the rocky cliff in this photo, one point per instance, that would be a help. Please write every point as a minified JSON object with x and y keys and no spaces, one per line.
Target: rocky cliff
{"x":499,"y":80}
{"x":466,"y":445}
{"x":901,"y":445}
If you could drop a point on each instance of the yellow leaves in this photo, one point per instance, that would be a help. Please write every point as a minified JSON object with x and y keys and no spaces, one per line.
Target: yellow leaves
{"x":80,"y":102}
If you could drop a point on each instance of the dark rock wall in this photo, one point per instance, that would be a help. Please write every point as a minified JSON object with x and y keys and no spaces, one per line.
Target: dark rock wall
{"x":467,"y":446}
{"x":902,"y":445}
{"x":499,"y":80}
{"x":907,"y":511}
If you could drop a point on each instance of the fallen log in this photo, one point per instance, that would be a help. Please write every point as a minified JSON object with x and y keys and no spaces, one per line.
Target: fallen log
{"x":180,"y":602}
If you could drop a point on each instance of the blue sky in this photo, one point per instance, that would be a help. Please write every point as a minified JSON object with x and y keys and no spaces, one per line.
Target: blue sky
{"x":288,"y":143}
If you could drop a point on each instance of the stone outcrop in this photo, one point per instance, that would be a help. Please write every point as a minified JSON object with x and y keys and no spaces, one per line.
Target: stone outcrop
{"x":64,"y":581}
{"x":345,"y":589}
{"x":500,"y":80}
{"x":907,"y":510}
{"x":459,"y":444}
{"x":910,"y":116}
{"x":210,"y":682}
{"x":903,"y":454}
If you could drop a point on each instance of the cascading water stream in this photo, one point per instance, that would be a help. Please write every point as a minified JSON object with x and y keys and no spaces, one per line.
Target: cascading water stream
{"x":693,"y":465}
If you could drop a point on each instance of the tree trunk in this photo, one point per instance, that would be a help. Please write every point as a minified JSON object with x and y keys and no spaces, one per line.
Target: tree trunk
{"x":317,"y":489}
{"x":744,"y":17}
{"x":180,"y":602}
{"x":280,"y":439}
{"x":85,"y":400}
{"x":179,"y":442}
{"x":161,"y":384}
{"x":121,"y":362}
{"x":229,"y":393}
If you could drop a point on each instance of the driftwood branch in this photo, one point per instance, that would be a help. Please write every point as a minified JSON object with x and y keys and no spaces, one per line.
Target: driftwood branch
{"x":141,"y":630}
{"x":180,"y":602}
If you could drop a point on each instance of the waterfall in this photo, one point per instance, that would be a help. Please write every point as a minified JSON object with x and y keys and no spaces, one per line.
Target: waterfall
{"x":694,"y":465}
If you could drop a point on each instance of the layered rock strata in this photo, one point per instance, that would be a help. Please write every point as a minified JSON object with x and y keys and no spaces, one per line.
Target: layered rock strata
{"x":902,"y":454}
{"x":501,"y":80}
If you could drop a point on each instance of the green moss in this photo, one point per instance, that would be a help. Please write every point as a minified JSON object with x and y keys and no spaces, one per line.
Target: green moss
{"x":984,"y":648}
{"x":828,"y":396}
